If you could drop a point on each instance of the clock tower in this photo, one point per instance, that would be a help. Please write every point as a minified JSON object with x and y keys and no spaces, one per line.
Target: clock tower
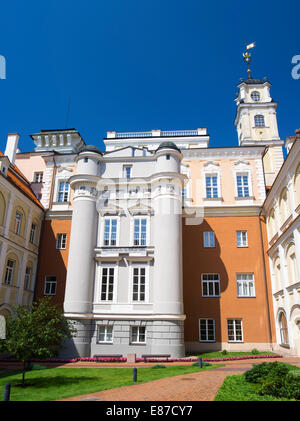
{"x":256,"y":123}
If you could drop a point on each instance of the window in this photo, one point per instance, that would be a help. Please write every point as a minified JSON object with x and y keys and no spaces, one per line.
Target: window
{"x":242,"y":239}
{"x":139,"y":284}
{"x":63,"y":193}
{"x":234,"y":330}
{"x":184,"y":193}
{"x":209,"y":239}
{"x":168,"y":157}
{"x":18,"y":222}
{"x":50,"y":285}
{"x":107,"y":284}
{"x":140,"y":231}
{"x":210,"y":285}
{"x":27,"y":278}
{"x":245,"y":285}
{"x":105,"y":334}
{"x":127,"y":171}
{"x":32,"y":233}
{"x":211,"y":183}
{"x":255,"y":96}
{"x":9,"y":274}
{"x":284,"y":337}
{"x":242,"y":182}
{"x":207,"y":330}
{"x":138,"y":334}
{"x":38,"y":177}
{"x":61,"y":240}
{"x":259,"y":120}
{"x":110,"y":232}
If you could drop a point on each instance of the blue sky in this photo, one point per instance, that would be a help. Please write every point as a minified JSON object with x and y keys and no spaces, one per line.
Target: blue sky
{"x":135,"y":65}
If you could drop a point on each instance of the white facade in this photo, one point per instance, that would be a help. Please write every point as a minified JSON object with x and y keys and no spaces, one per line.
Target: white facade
{"x":120,"y":300}
{"x":282,"y":208}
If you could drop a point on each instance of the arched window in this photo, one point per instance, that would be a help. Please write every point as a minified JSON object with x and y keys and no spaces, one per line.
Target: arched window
{"x":2,"y":209}
{"x":272,"y":224}
{"x":284,"y":337}
{"x":297,"y":186}
{"x":259,"y":120}
{"x":277,"y":275}
{"x":284,"y":205}
{"x":292,"y":264}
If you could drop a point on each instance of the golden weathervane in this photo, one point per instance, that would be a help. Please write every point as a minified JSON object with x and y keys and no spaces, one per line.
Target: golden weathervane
{"x":247,"y":57}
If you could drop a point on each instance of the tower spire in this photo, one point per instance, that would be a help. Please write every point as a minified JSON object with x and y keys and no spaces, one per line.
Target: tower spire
{"x":247,"y":58}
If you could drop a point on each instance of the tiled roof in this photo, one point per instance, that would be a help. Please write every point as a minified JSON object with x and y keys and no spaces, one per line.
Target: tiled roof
{"x":15,"y":176}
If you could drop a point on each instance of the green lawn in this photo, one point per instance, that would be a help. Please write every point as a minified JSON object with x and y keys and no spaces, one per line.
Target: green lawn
{"x":58,"y":383}
{"x":236,"y":388}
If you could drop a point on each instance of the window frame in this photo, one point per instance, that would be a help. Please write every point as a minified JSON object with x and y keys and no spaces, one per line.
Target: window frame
{"x":110,"y":238}
{"x":243,"y":174}
{"x":259,"y":121}
{"x":235,"y":330}
{"x":18,"y":222}
{"x":139,"y":219}
{"x":209,"y":239}
{"x":106,"y":334}
{"x":61,"y":240}
{"x":51,"y":284}
{"x":65,"y":192}
{"x":38,"y":177}
{"x":27,"y":278}
{"x":214,"y":282}
{"x":32,"y":233}
{"x":242,"y":242}
{"x":104,"y":289}
{"x":138,"y":342}
{"x":9,"y":272}
{"x":243,"y":282}
{"x":212,"y":186}
{"x":206,"y":330}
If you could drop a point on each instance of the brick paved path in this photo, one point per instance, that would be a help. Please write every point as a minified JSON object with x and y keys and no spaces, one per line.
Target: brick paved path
{"x":201,"y":386}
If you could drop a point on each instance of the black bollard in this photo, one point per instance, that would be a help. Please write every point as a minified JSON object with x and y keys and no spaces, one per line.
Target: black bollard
{"x":6,"y":392}
{"x":200,"y":362}
{"x":135,"y":374}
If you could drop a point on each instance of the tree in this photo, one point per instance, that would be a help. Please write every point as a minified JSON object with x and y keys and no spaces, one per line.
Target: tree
{"x":35,"y":332}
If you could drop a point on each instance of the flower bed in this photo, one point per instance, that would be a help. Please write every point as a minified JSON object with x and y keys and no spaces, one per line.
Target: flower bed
{"x":124,"y":359}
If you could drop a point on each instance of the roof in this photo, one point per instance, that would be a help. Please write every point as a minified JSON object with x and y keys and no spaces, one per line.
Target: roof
{"x":251,"y":81}
{"x":169,"y":145}
{"x":90,"y":148}
{"x":15,"y":176}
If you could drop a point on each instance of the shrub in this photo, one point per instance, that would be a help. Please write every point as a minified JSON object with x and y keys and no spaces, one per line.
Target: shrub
{"x":158,"y":366}
{"x":281,"y":386}
{"x":204,"y":364}
{"x":224,"y":352}
{"x":260,"y":371}
{"x":255,"y":351}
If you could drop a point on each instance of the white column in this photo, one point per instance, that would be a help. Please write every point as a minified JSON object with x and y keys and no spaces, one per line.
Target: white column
{"x":8,"y":216}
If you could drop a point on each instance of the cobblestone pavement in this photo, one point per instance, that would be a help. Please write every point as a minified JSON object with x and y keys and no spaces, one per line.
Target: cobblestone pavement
{"x":202,"y":386}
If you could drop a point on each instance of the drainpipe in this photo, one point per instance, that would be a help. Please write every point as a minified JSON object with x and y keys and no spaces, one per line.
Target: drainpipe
{"x":265,"y":280}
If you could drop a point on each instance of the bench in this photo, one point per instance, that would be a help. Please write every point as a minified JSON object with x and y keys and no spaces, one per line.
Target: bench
{"x":117,"y":356}
{"x":145,"y":356}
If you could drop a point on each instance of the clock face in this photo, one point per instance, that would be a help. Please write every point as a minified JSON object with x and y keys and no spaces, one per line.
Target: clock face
{"x":255,"y":96}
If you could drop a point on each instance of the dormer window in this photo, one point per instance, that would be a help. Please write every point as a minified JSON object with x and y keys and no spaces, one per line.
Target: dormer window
{"x":259,"y":120}
{"x":255,"y":96}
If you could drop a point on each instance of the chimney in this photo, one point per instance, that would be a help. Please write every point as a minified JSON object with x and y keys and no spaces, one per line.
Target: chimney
{"x":11,"y":147}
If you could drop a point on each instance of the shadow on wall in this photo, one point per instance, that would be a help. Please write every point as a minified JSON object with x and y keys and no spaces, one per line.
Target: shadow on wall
{"x":52,"y":262}
{"x":198,"y":260}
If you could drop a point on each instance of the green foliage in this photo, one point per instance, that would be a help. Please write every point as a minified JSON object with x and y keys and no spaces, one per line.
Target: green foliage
{"x":204,"y":364}
{"x":275,"y":379}
{"x":224,"y":352}
{"x":35,"y":332}
{"x":255,"y":351}
{"x":159,"y":366}
{"x":261,"y":371}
